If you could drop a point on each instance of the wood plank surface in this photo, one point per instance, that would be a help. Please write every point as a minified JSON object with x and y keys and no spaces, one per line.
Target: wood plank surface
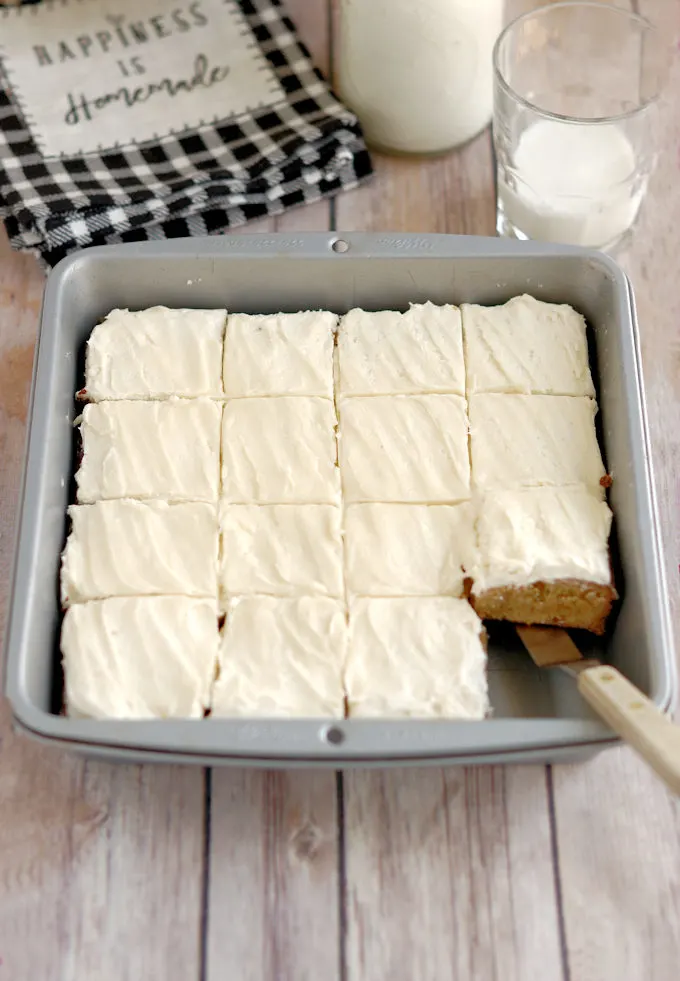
{"x":273,"y":894}
{"x":450,"y":876}
{"x":618,"y":853}
{"x":101,"y":868}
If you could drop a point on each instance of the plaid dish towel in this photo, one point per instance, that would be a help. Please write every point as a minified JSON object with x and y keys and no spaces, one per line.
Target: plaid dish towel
{"x":123,"y":121}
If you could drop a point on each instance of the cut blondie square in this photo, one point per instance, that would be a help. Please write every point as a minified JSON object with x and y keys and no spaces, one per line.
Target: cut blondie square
{"x":155,"y":353}
{"x":281,"y":550}
{"x":282,"y":658}
{"x":534,"y":440}
{"x":408,"y":549}
{"x":543,"y":557}
{"x":279,"y":451}
{"x":279,"y":354}
{"x":527,"y":347}
{"x":416,"y":658}
{"x":390,"y":353}
{"x":140,"y":548}
{"x":150,"y":657}
{"x":404,"y":449}
{"x":168,"y":450}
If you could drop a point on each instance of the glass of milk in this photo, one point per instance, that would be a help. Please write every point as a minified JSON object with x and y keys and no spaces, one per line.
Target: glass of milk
{"x":575,"y":100}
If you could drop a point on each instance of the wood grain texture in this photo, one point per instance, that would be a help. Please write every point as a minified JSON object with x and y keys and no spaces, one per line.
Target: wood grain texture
{"x":446,"y":194}
{"x":449,"y":876}
{"x":618,"y":834}
{"x":100,"y":866}
{"x":273,"y":896}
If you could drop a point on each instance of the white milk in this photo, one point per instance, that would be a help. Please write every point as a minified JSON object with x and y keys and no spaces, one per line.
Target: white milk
{"x":573,"y":183}
{"x":418,"y":73}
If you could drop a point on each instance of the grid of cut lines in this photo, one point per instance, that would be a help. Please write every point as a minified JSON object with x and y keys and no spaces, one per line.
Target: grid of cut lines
{"x":396,"y":484}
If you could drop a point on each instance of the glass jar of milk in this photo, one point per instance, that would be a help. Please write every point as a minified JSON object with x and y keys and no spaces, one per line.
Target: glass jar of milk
{"x":418,"y":73}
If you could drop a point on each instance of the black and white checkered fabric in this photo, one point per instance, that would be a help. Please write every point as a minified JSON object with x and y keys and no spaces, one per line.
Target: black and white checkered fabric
{"x":197,"y":183}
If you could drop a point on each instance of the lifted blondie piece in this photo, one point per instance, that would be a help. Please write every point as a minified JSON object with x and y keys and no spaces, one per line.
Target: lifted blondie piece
{"x":543,"y":557}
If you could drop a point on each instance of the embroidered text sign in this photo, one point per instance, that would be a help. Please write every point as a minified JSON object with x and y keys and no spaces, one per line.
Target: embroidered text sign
{"x":92,"y":75}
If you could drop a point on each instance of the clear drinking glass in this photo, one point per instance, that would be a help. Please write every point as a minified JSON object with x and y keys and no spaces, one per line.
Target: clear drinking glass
{"x":575,"y":102}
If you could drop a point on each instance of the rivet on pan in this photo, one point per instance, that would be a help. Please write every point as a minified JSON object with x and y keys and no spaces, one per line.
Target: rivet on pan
{"x":339,"y":245}
{"x":333,"y":735}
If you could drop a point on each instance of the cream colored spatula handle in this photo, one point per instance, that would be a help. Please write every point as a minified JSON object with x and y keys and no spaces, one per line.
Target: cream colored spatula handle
{"x":635,"y":719}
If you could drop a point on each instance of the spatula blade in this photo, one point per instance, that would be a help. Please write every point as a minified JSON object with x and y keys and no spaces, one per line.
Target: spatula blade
{"x":549,"y":647}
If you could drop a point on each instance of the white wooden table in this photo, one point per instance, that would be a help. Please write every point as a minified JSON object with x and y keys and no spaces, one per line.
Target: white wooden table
{"x":568,"y":873}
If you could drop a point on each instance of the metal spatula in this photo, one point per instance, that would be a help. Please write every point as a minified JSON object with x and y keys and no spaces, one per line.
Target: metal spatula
{"x":623,"y":706}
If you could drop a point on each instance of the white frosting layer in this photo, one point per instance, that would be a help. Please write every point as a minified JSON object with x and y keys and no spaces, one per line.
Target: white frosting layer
{"x":139,"y":657}
{"x":404,"y":448}
{"x":408,"y":549}
{"x":135,"y":548}
{"x":282,"y":657}
{"x":155,"y":353}
{"x":281,"y":550}
{"x":541,"y":534}
{"x":533,"y":440}
{"x":528,"y":347}
{"x":421,"y":658}
{"x":279,"y":451}
{"x":166,"y":450}
{"x":279,"y":354}
{"x":386,"y":353}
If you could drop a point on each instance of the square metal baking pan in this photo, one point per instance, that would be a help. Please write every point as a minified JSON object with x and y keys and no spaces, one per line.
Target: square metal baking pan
{"x":538,"y":716}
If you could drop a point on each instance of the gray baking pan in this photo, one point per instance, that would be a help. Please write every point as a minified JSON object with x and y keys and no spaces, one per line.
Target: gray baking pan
{"x":537,"y":716}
